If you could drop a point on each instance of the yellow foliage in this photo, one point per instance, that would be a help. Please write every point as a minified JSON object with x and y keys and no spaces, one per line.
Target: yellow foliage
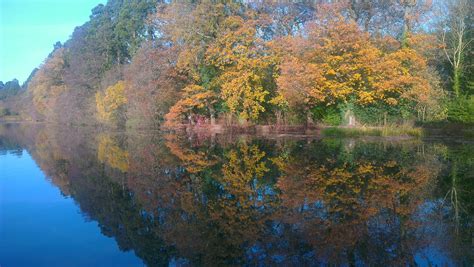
{"x":109,"y":104}
{"x":403,"y":76}
{"x":244,"y":94}
{"x":342,"y":63}
{"x":245,"y":67}
{"x":333,"y":62}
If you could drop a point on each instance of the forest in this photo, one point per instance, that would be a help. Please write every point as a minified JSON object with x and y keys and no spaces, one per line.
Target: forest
{"x":147,"y":63}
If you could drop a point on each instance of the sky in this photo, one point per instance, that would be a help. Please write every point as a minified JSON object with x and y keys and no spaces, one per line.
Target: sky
{"x":29,"y":28}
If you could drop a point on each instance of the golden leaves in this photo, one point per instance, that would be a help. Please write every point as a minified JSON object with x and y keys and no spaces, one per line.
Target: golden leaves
{"x":245,"y":68}
{"x":343,"y":63}
{"x":109,"y":103}
{"x":333,"y":69}
{"x":333,"y":62}
{"x":244,"y":94}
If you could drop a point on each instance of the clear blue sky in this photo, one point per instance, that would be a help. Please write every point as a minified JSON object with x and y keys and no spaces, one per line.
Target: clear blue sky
{"x":29,"y":28}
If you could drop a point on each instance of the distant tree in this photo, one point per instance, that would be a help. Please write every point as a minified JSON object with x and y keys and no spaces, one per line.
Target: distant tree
{"x":111,"y":36}
{"x":12,"y":85}
{"x":4,"y":112}
{"x":130,"y":29}
{"x":10,"y":88}
{"x":282,"y":18}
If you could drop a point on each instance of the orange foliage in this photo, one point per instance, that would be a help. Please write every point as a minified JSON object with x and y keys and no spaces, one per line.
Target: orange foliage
{"x":330,"y":61}
{"x":341,"y":63}
{"x":195,"y":97}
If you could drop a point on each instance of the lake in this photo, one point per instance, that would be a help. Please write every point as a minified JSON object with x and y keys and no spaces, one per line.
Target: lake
{"x":77,"y":196}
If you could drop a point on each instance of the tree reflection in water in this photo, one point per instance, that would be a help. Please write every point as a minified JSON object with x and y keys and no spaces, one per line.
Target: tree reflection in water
{"x":255,"y":201}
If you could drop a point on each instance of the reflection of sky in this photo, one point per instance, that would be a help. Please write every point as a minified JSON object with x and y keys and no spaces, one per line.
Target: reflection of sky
{"x":431,"y":256}
{"x":435,"y":231}
{"x":39,"y":227}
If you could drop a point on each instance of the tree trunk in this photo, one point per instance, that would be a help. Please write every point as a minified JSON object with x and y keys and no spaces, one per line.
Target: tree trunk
{"x":406,"y":21}
{"x":213,"y":118}
{"x":457,"y":81}
{"x":309,"y":119}
{"x":278,"y":115}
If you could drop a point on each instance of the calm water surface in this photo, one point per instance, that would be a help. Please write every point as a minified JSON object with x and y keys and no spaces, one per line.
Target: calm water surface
{"x":82,"y":197}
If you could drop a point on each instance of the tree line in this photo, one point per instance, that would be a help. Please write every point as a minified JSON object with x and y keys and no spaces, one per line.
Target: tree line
{"x":145,"y":63}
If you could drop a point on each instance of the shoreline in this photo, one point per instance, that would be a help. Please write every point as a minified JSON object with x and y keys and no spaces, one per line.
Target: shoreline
{"x":442,"y":129}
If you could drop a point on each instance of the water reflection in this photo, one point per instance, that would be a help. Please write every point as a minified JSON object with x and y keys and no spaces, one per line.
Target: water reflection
{"x":255,"y":201}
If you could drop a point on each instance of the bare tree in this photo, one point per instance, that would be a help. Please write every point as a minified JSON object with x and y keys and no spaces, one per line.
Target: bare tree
{"x":455,"y":37}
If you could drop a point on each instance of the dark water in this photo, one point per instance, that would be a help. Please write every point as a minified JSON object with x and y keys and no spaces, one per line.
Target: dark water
{"x":80,"y":197}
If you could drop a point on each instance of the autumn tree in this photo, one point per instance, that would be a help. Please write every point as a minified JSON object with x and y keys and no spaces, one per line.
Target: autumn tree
{"x":336,"y":63}
{"x":48,"y":84}
{"x":192,"y":27}
{"x":195,"y":99}
{"x":411,"y":83}
{"x":257,"y":62}
{"x":111,"y":105}
{"x":154,"y":84}
{"x":236,"y":68}
{"x":246,"y":67}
